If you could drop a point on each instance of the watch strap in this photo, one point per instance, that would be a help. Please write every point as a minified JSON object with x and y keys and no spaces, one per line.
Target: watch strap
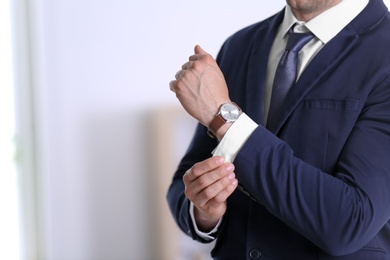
{"x":217,"y":123}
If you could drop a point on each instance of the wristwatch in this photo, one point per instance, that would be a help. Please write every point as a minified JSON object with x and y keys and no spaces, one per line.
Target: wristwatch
{"x":228,"y":112}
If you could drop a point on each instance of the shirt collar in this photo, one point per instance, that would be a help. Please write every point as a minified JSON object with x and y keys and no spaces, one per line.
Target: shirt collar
{"x":328,"y":24}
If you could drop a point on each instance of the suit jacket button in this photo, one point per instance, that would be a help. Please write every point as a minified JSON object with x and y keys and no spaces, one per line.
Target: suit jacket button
{"x":254,"y":254}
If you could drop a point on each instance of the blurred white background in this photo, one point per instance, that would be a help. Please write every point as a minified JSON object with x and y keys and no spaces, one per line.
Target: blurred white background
{"x":95,"y":74}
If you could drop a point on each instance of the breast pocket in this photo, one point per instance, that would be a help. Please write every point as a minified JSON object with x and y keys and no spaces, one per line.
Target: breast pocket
{"x":332,"y":104}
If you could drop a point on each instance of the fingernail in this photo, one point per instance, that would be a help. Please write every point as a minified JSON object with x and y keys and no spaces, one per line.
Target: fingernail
{"x":235,"y":182}
{"x":231,"y":176}
{"x":229,"y":167}
{"x":219,"y":160}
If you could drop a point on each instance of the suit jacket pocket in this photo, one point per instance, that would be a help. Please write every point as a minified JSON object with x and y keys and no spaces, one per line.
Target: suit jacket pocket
{"x":331,"y":104}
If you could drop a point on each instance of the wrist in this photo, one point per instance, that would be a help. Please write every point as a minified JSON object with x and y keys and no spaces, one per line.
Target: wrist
{"x":223,"y":130}
{"x":204,"y":223}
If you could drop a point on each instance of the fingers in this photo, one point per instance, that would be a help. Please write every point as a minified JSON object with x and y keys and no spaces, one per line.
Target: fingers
{"x":214,"y":181}
{"x":199,"y":53}
{"x":192,"y":66}
{"x":172,"y":86}
{"x":181,"y":86}
{"x":179,"y":75}
{"x":225,"y":193}
{"x":204,"y":167}
{"x":199,"y":50}
{"x":218,"y":192}
{"x":210,"y":180}
{"x":187,"y":65}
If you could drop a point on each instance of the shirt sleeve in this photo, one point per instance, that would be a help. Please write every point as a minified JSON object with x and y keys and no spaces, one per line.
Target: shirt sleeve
{"x":206,"y":236}
{"x":235,"y":138}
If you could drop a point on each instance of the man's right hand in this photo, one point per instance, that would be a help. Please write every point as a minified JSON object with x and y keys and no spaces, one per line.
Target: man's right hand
{"x":208,"y":184}
{"x":200,"y":86}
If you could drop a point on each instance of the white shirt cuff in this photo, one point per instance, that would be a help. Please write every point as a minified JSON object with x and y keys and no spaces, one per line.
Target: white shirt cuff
{"x":235,"y":138}
{"x":206,"y":236}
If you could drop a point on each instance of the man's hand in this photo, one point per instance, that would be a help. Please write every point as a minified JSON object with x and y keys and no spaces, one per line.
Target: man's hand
{"x":200,"y":86}
{"x":208,"y":184}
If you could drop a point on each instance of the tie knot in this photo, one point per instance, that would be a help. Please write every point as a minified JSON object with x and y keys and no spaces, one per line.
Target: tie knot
{"x":296,"y":41}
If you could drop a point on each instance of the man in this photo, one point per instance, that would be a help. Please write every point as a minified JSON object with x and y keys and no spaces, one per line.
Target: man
{"x":311,"y":180}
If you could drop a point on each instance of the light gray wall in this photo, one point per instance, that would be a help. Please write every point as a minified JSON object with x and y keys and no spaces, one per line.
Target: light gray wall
{"x":105,"y":68}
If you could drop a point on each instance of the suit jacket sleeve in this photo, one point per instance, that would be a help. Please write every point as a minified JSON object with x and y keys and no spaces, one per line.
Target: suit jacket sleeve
{"x":340,"y":209}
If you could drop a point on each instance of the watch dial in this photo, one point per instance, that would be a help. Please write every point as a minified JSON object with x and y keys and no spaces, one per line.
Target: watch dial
{"x":230,"y":112}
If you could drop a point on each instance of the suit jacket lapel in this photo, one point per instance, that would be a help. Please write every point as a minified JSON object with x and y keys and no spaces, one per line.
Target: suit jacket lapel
{"x":257,"y":67}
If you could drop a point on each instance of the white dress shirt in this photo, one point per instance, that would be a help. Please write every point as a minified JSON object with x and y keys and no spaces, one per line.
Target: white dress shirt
{"x":324,"y":27}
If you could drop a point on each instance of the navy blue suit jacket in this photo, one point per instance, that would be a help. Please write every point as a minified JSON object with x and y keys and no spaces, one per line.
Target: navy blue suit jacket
{"x":319,"y":187}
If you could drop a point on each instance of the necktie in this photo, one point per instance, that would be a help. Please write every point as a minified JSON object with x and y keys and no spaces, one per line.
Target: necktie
{"x":286,"y":74}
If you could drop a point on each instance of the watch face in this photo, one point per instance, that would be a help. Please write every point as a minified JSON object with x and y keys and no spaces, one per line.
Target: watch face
{"x":230,"y":112}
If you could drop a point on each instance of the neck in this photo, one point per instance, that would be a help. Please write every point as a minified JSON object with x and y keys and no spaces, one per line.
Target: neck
{"x":307,"y":10}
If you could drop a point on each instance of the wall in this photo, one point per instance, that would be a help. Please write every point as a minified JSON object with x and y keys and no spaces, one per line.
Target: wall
{"x":104,"y":69}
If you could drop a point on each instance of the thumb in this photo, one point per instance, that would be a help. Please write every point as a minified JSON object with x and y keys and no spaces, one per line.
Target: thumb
{"x":199,"y":50}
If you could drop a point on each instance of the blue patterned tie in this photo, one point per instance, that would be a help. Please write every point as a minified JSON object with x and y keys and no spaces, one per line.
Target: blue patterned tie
{"x":286,"y":74}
